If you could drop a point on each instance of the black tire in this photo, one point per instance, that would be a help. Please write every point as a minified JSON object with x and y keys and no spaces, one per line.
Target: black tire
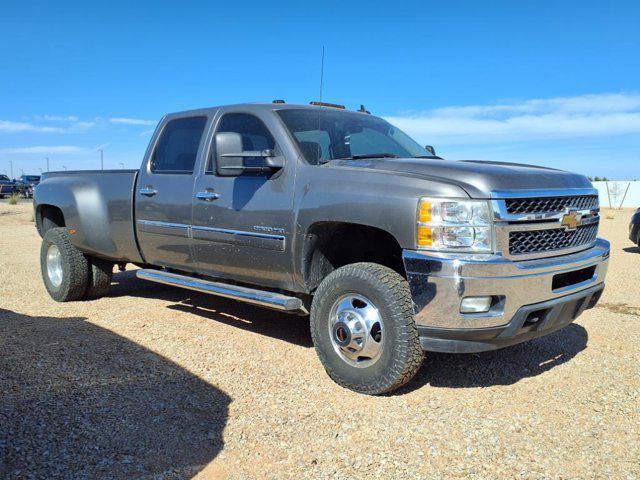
{"x":100,"y":273}
{"x":75,"y":267}
{"x":401,"y":355}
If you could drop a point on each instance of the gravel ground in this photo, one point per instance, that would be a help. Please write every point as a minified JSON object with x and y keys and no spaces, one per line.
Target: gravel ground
{"x":156,"y":382}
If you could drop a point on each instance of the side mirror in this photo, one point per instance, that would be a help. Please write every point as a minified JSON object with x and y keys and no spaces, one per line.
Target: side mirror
{"x":430,"y":149}
{"x":230,"y":157}
{"x":229,"y":161}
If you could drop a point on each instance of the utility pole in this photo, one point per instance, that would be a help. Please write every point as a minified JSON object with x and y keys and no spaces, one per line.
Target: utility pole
{"x":11,"y":166}
{"x":47,"y":159}
{"x":101,"y":158}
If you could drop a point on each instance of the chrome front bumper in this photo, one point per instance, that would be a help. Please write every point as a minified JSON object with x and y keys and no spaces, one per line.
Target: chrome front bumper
{"x":439,"y":282}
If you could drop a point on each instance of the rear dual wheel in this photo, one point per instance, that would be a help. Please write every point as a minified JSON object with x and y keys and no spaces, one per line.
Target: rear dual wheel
{"x":68,"y":273}
{"x":363,"y":328}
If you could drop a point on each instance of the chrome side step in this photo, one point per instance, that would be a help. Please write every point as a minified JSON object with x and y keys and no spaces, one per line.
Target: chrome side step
{"x":262,"y":298}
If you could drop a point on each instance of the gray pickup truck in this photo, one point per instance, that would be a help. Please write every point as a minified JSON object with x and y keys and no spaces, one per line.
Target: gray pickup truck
{"x":320,"y":211}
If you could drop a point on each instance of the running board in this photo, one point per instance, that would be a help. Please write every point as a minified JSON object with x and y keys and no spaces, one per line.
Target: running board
{"x":262,"y":298}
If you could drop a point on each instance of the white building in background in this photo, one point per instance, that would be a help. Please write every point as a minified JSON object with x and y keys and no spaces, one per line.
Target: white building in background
{"x":616,"y":192}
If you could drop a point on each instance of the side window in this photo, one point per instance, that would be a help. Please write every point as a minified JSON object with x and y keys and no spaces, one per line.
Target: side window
{"x":177,"y":148}
{"x":255,"y":136}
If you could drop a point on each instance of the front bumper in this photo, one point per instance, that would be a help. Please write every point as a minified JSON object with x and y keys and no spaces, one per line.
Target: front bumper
{"x":532,"y":298}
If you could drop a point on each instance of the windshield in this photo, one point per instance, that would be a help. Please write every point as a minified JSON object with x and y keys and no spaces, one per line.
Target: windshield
{"x":326,"y":134}
{"x":4,"y":178}
{"x":32,"y":178}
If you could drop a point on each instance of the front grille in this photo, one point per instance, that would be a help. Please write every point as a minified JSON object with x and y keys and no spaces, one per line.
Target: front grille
{"x":537,"y":241}
{"x":550,"y":204}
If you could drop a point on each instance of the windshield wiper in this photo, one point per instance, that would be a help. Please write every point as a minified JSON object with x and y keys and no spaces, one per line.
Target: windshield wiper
{"x":362,"y":157}
{"x":369,"y":155}
{"x":375,"y":155}
{"x":428,"y":156}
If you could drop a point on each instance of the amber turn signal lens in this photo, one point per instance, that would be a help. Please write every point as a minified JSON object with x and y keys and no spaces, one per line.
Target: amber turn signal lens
{"x":424,"y":215}
{"x":425,"y":236}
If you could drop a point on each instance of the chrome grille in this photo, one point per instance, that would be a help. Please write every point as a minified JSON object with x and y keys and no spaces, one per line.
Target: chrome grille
{"x":550,"y":204}
{"x":537,"y":241}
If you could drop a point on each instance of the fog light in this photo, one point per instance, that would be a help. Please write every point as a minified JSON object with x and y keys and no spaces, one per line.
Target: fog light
{"x":475,"y":304}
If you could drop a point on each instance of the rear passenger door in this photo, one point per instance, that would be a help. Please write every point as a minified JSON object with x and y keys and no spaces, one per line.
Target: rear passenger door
{"x":164,"y":192}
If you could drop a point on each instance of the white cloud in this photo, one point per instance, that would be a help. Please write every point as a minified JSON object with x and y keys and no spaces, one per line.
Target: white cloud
{"x":147,"y":132}
{"x":535,"y":119}
{"x":73,"y":125}
{"x":16,"y":127}
{"x":62,"y":149}
{"x":132,"y":121}
{"x":58,"y":118}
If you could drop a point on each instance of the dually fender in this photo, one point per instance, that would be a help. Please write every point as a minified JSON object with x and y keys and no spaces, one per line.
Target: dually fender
{"x":98,"y":208}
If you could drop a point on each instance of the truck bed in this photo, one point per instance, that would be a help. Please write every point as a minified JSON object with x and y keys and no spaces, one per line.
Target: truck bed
{"x":98,"y":204}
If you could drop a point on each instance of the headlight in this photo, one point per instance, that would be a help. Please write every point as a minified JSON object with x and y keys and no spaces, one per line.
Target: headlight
{"x":454,"y":225}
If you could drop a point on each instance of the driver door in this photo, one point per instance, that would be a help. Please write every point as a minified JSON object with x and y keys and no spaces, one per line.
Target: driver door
{"x":242,"y":225}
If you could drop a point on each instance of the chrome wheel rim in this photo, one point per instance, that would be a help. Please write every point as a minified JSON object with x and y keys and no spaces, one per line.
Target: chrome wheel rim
{"x":356,"y":330}
{"x":54,"y":265}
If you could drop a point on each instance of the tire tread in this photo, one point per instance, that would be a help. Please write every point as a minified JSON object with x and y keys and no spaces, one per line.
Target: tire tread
{"x":408,"y":354}
{"x":75,"y":266}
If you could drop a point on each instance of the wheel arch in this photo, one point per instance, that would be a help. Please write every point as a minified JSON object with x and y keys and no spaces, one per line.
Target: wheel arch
{"x":48,"y":216}
{"x":329,"y":245}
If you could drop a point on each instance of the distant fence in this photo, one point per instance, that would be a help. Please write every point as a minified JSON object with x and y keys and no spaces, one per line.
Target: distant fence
{"x":614,"y":196}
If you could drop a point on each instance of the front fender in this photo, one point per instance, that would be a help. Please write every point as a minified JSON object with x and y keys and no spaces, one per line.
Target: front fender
{"x":382,"y":200}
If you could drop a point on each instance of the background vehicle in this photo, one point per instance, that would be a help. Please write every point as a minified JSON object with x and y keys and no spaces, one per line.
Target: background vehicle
{"x":7,"y":186}
{"x":26,"y":184}
{"x":310,"y":209}
{"x":634,"y":228}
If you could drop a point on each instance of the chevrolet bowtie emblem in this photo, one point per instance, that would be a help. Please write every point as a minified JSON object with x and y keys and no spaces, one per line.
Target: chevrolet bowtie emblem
{"x":571,"y":219}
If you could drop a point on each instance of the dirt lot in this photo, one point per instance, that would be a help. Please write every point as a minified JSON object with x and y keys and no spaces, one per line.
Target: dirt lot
{"x":156,"y":382}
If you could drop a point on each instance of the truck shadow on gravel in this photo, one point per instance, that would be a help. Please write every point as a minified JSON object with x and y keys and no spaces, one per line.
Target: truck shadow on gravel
{"x":289,"y":328}
{"x":79,"y":401}
{"x":501,"y":367}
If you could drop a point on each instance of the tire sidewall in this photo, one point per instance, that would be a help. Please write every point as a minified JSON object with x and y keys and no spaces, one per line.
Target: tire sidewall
{"x":68,"y":288}
{"x":373,"y":377}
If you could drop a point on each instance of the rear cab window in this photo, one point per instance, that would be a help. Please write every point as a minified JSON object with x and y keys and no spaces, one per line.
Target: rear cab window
{"x":177,"y":148}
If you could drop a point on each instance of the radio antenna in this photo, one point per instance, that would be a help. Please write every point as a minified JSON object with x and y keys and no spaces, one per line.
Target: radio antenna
{"x":321,"y":73}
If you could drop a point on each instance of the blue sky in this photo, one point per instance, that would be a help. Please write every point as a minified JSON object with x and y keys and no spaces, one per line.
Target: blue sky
{"x":547,"y":82}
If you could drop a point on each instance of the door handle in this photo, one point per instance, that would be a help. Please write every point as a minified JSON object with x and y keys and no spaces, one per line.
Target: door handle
{"x":148,"y":191}
{"x":207,"y":196}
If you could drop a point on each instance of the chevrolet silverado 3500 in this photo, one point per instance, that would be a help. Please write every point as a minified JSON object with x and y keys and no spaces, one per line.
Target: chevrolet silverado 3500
{"x":319,"y":211}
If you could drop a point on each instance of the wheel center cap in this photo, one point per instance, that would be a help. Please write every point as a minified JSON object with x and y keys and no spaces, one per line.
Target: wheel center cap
{"x":341,"y":334}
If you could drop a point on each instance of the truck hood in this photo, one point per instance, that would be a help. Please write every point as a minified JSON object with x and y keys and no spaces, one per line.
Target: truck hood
{"x":478,"y":178}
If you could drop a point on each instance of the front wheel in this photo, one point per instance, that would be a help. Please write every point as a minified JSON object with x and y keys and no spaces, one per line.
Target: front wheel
{"x":363,"y":328}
